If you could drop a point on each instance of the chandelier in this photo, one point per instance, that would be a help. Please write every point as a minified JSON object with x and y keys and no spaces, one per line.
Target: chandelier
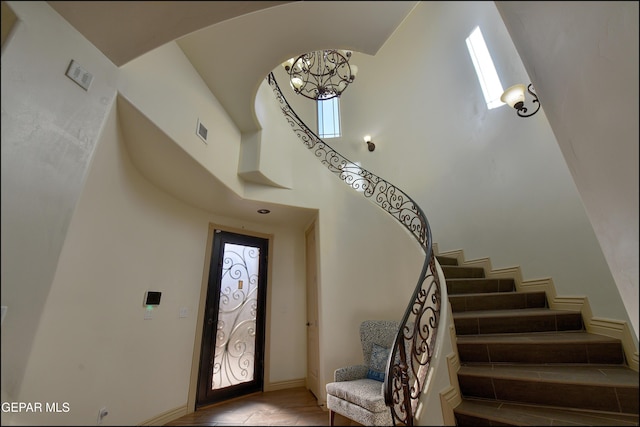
{"x":322,"y":74}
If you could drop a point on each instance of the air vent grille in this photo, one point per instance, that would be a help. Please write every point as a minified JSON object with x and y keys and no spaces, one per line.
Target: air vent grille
{"x":202,"y":131}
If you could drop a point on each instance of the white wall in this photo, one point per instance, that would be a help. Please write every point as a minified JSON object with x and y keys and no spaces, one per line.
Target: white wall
{"x":50,"y":127}
{"x":491,"y":183}
{"x":89,"y":345}
{"x":592,"y":100}
{"x":484,"y":190}
{"x":93,"y":347}
{"x":166,"y":88}
{"x":74,"y":331}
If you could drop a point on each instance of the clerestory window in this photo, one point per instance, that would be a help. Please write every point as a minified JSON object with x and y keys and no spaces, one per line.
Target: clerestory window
{"x":329,"y":117}
{"x":486,"y":71}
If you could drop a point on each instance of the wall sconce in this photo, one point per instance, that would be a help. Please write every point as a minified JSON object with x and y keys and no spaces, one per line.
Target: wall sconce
{"x":370,"y":145}
{"x":514,"y":96}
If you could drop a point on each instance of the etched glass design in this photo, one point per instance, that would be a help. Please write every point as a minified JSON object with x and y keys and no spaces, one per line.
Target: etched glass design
{"x":233,"y":361}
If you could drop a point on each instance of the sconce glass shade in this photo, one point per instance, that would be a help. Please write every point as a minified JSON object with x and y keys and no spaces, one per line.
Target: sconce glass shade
{"x":514,"y":95}
{"x":370,"y":145}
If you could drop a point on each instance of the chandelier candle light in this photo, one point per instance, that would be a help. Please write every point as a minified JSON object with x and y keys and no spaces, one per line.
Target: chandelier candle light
{"x":322,"y":74}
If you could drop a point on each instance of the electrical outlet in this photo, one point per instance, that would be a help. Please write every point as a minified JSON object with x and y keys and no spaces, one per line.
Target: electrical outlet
{"x":79,"y":75}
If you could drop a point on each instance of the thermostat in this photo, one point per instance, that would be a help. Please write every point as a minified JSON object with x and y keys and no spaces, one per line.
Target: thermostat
{"x":152,"y":298}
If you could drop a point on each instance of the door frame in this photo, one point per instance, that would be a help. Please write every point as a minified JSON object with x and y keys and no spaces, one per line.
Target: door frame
{"x":197,"y":343}
{"x":312,"y":298}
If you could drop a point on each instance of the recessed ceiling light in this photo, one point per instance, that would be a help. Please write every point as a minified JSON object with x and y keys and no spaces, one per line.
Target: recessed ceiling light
{"x":263,"y":211}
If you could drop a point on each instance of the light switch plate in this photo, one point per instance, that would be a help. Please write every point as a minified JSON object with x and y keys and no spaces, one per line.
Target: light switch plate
{"x":79,"y":75}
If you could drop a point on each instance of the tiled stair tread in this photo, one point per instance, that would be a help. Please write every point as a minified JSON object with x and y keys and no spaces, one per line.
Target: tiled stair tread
{"x":487,"y":301}
{"x":535,"y":415}
{"x":493,"y":295}
{"x":479,"y":281}
{"x":512,"y":313}
{"x":536,"y":337}
{"x":606,"y":375}
{"x":479,"y":285}
{"x":461,"y":268}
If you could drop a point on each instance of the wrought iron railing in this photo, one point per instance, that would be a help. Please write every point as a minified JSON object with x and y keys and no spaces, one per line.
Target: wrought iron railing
{"x":410,"y":357}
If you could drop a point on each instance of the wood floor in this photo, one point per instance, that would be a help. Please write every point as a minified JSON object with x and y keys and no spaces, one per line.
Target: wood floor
{"x":290,"y":407}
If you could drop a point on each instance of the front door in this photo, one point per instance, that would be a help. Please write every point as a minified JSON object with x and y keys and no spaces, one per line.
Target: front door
{"x":232,"y":356}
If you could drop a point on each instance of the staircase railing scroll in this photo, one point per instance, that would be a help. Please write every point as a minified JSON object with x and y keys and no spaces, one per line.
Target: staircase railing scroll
{"x":410,"y":356}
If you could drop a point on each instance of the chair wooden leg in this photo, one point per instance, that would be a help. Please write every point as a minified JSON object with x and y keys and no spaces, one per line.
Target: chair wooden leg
{"x":332,"y":416}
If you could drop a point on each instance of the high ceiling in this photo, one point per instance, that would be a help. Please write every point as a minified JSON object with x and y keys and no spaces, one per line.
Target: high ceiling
{"x":233,"y":45}
{"x":115,"y":27}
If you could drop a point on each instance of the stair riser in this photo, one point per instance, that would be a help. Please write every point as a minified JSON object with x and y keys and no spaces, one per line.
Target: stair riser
{"x":527,"y":364}
{"x":470,"y":420}
{"x":479,"y":285}
{"x":454,"y":272}
{"x":506,"y":301}
{"x":447,"y":260}
{"x":598,"y":353}
{"x":518,"y":324}
{"x":578,"y":396}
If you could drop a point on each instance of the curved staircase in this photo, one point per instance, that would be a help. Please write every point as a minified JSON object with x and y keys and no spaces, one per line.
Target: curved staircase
{"x":523,"y":363}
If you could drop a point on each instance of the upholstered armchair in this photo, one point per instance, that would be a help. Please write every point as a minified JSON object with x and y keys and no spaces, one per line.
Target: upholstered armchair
{"x":357,"y":391}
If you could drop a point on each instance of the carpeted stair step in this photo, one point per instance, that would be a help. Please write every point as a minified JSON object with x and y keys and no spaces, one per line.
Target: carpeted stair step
{"x":476,"y":412}
{"x":609,"y":388}
{"x":497,"y":301}
{"x":516,"y":321}
{"x":576,"y":347}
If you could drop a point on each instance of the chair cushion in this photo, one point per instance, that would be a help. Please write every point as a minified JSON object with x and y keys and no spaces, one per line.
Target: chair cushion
{"x":378,"y":365}
{"x":365,"y":393}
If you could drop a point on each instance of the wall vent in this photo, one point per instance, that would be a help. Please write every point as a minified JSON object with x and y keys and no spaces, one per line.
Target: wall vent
{"x":202,"y":131}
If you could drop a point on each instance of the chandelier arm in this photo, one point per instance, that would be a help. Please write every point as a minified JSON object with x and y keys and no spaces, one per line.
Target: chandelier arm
{"x":320,"y":75}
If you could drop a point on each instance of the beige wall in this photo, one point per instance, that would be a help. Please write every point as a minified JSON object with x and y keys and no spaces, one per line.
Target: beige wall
{"x":93,"y":347}
{"x":591,"y":97}
{"x":491,"y":183}
{"x":84,"y":233}
{"x":50,"y":127}
{"x":89,"y":344}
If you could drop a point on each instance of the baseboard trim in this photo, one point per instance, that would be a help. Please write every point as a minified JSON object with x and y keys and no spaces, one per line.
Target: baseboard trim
{"x":166,"y":417}
{"x":616,"y":329}
{"x":282,"y":385}
{"x":607,"y":327}
{"x":450,"y":397}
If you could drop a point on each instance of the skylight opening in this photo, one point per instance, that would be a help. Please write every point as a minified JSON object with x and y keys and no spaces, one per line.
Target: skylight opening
{"x":486,"y":71}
